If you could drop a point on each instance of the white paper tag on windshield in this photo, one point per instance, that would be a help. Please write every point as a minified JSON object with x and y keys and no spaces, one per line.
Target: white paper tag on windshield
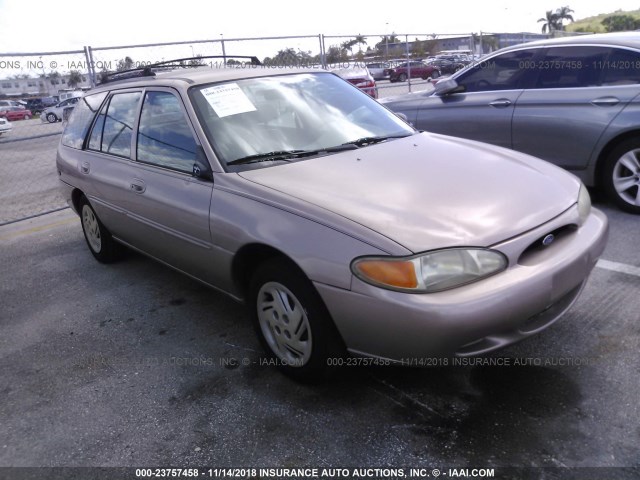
{"x":228,"y":99}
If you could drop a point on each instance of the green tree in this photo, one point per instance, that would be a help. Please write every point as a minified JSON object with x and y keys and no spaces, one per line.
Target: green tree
{"x":54,"y":78}
{"x":551,"y":22}
{"x":360,"y":41}
{"x":621,"y":23}
{"x":75,"y":78}
{"x":348,"y":45}
{"x":564,"y":13}
{"x":336,"y":54}
{"x":554,"y":21}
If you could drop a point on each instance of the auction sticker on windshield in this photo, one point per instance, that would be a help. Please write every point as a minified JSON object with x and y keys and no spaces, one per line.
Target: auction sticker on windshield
{"x":228,"y":99}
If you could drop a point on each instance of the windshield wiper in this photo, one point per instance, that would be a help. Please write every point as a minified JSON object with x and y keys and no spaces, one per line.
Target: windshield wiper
{"x":361,"y":142}
{"x":283,"y":155}
{"x":286,"y":155}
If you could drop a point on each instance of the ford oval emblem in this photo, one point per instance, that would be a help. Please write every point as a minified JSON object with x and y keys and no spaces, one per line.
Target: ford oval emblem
{"x":548,"y":240}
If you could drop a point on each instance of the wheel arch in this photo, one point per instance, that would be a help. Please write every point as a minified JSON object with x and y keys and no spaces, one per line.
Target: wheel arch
{"x":249,"y":257}
{"x":76,"y":196}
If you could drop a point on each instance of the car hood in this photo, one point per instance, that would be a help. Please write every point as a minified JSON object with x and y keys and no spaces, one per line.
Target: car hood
{"x":430,"y":191}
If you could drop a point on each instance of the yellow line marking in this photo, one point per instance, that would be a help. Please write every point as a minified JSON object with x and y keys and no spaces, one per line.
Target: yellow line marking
{"x":39,"y":228}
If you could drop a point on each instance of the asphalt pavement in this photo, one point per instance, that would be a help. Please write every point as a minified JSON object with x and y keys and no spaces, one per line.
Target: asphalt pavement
{"x":133,"y":364}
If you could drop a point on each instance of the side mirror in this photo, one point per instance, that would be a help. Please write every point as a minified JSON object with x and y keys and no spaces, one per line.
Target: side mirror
{"x":447,"y":86}
{"x":403,"y":117}
{"x":201,"y":167}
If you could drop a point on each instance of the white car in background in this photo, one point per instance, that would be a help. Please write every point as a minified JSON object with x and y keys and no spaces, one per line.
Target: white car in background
{"x":5,"y":125}
{"x":56,"y":113}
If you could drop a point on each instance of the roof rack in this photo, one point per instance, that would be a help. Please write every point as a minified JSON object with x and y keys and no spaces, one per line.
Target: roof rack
{"x":150,"y":70}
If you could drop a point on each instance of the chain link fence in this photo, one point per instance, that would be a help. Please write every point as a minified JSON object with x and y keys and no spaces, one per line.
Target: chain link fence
{"x":28,"y":180}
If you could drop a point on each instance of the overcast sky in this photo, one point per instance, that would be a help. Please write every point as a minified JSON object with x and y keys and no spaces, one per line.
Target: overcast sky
{"x":70,"y":24}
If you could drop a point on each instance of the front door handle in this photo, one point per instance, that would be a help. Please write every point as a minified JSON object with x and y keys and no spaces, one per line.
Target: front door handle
{"x":138,"y":186}
{"x":605,"y":102}
{"x":500,"y":103}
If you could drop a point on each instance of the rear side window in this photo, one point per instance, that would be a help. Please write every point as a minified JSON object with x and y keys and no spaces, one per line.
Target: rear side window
{"x":504,"y":72}
{"x":571,"y":67}
{"x":80,"y":120}
{"x":114,"y":126}
{"x":164,"y":136}
{"x":621,"y":68}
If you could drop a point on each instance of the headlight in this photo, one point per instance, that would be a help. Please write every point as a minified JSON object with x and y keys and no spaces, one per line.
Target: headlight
{"x":431,"y":271}
{"x":584,"y":204}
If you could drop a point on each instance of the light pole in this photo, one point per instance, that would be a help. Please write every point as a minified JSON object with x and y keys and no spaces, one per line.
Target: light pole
{"x":386,"y":41}
{"x":224,"y":54}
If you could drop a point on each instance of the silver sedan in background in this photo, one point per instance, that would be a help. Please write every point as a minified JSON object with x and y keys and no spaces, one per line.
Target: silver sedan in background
{"x":572,"y":101}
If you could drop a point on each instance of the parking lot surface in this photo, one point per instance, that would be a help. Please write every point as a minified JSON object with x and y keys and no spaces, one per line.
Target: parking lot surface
{"x":133,"y":364}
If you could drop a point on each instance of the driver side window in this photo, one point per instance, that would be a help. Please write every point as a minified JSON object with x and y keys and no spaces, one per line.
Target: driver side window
{"x":504,"y":72}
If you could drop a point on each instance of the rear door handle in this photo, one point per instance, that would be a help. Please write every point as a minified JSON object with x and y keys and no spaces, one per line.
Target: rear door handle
{"x":85,"y":167}
{"x":138,"y":186}
{"x":500,"y":103}
{"x":605,"y":102}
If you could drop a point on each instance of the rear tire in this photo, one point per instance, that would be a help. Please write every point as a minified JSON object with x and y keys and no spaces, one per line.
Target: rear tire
{"x":292,"y":322}
{"x":99,"y":240}
{"x":621,"y":176}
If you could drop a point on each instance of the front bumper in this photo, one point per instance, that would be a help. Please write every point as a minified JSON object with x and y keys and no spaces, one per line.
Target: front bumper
{"x":523,"y":300}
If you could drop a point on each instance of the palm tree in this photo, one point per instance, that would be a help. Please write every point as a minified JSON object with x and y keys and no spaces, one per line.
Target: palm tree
{"x":348,"y":45}
{"x":564,"y":13}
{"x":360,"y":40}
{"x":551,"y":22}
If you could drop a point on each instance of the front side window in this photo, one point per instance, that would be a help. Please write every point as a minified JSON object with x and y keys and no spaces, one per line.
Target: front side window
{"x":504,"y":72}
{"x":571,"y":67}
{"x":114,"y":126}
{"x":80,"y":120}
{"x":164,"y":136}
{"x":305,"y":114}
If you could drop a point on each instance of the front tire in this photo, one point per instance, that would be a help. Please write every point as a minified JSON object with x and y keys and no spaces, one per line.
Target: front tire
{"x":621,"y":176}
{"x":402,"y":77}
{"x":292,"y":322}
{"x":99,"y":240}
{"x":51,"y":118}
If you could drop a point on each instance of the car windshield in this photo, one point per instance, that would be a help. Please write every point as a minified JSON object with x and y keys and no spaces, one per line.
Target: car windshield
{"x":290,"y":118}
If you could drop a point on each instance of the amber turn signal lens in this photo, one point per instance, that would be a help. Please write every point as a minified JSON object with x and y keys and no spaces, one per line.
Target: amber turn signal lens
{"x":399,"y":274}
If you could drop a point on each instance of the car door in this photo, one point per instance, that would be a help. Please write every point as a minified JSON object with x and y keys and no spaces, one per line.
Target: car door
{"x":483,"y":111}
{"x":163,"y":209}
{"x":562,"y":117}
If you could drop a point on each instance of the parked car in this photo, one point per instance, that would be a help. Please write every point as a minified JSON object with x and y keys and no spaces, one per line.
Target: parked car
{"x":572,"y":101}
{"x":6,"y":104}
{"x":56,"y":113}
{"x":341,"y":226}
{"x":379,"y":71}
{"x":5,"y":125}
{"x":359,"y":77}
{"x":37,"y":105}
{"x":16,"y":113}
{"x":413,"y":70}
{"x":447,"y":66}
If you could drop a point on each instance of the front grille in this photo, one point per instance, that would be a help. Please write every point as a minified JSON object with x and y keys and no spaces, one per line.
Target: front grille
{"x":537,"y":247}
